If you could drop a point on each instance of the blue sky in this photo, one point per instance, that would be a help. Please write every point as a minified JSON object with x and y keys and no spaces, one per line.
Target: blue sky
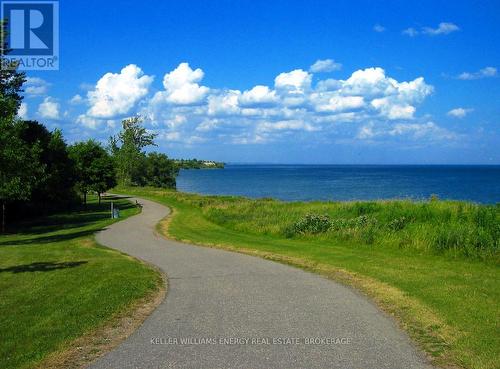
{"x":281,"y":81}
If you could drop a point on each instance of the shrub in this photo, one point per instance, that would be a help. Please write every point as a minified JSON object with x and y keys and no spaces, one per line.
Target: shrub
{"x":397,"y":224}
{"x":310,"y":224}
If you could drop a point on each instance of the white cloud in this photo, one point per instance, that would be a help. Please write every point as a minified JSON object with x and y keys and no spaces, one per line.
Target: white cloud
{"x":285,"y":125}
{"x":258,"y":96}
{"x":412,"y":32}
{"x":459,"y":112}
{"x":421,"y":131}
{"x":23,"y":111}
{"x":297,"y":81}
{"x":378,"y":28}
{"x":487,"y":72}
{"x":368,"y":104}
{"x":392,"y":110}
{"x":224,"y":104}
{"x":326,"y":65}
{"x":424,"y":132}
{"x":444,"y":28}
{"x":116,"y":94}
{"x":341,"y":103}
{"x":181,"y":86}
{"x":76,"y":100}
{"x":366,"y":132}
{"x":49,"y":108}
{"x":36,"y":86}
{"x":89,"y":122}
{"x":170,"y":136}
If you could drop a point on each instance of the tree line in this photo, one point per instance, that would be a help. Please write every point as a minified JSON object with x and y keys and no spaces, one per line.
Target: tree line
{"x":198,"y":164}
{"x":41,"y":173}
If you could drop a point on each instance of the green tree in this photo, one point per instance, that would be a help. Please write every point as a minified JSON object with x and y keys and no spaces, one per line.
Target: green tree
{"x":11,"y":80}
{"x":103,"y":175}
{"x":18,"y":162}
{"x":20,"y":168}
{"x":55,"y":187}
{"x":127,"y":149}
{"x":159,"y":171}
{"x":94,"y":168}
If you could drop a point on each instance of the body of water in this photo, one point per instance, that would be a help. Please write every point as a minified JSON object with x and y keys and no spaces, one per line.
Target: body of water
{"x":346,"y":182}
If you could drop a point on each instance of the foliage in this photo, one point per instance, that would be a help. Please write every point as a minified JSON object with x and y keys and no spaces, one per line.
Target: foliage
{"x":19,"y":166}
{"x":11,"y":80}
{"x":127,"y":149}
{"x":158,"y":171}
{"x":94,"y":167}
{"x":452,"y":228}
{"x":54,"y":187}
{"x":198,"y":164}
{"x":134,"y":166}
{"x":310,"y":224}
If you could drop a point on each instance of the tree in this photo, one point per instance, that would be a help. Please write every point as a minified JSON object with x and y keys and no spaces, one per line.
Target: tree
{"x":127,"y":149}
{"x":18,"y":164}
{"x":159,"y":171}
{"x":103,"y":175}
{"x":55,"y":187}
{"x":20,"y":168}
{"x":94,"y":168}
{"x":11,"y":80}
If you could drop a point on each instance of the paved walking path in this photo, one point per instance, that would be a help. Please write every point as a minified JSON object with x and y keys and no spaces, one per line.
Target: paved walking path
{"x":216,"y":299}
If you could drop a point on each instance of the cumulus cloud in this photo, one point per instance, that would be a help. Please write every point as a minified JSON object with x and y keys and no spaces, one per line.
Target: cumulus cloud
{"x":378,"y":28}
{"x":487,"y":72}
{"x":49,"y":108}
{"x":258,"y":96}
{"x":285,"y":125}
{"x":181,"y":86}
{"x":369,"y":104}
{"x":89,"y":122}
{"x":225,"y":103}
{"x":339,"y":103}
{"x":325,"y":65}
{"x":115,"y":94}
{"x":76,"y":100}
{"x":459,"y":112}
{"x":296,"y":82}
{"x":35,"y":86}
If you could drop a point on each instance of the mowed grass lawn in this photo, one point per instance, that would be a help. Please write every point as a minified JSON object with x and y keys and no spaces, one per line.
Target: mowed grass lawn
{"x":433,"y":265}
{"x":57,"y":284}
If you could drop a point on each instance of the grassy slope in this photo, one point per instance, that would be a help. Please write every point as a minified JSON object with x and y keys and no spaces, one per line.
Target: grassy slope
{"x":56,"y":283}
{"x":449,"y":305}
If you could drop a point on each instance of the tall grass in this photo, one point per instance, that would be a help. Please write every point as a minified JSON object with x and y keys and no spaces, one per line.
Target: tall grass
{"x":453,"y":228}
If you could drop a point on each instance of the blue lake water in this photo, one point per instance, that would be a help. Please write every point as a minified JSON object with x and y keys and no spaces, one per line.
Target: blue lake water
{"x":346,"y":182}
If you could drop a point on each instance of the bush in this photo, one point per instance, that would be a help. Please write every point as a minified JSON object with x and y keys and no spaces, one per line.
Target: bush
{"x":310,"y":224}
{"x":397,"y":224}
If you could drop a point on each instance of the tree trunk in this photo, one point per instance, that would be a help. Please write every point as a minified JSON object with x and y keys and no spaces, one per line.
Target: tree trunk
{"x":85,"y":198}
{"x":99,"y":195}
{"x":3,"y":216}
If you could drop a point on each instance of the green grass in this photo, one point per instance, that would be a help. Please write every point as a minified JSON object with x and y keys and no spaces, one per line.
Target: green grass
{"x":57,"y":284}
{"x":434,"y":265}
